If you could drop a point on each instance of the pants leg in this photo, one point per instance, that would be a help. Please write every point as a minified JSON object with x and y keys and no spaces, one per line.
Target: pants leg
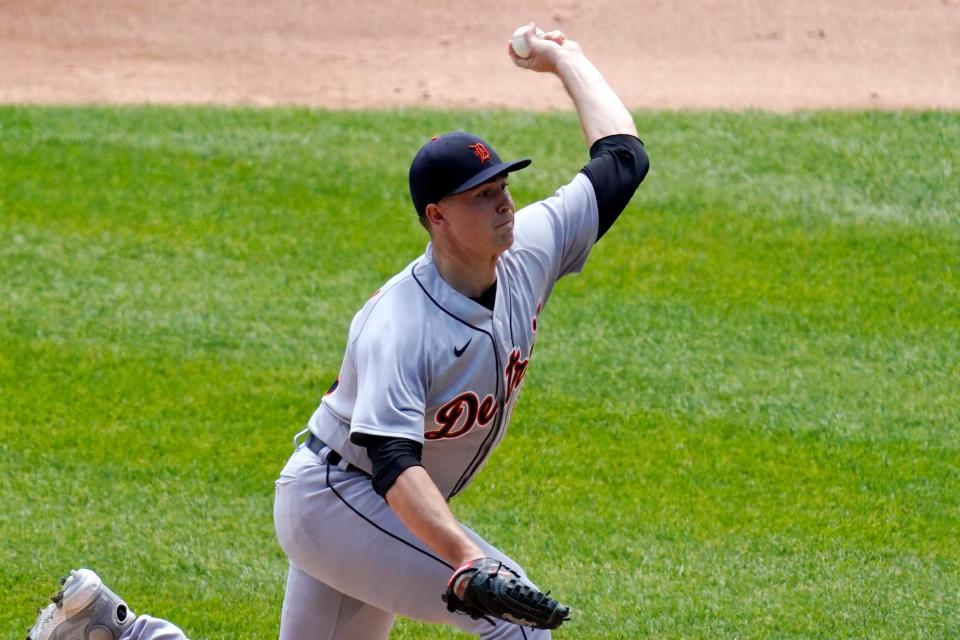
{"x":148,"y":628}
{"x":314,"y":610}
{"x":335,"y":529}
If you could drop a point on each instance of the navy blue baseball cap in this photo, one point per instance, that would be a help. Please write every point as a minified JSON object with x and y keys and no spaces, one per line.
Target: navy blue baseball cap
{"x":454,"y":163}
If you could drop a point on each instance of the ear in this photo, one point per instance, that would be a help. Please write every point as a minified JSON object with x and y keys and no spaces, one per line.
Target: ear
{"x":434,"y":213}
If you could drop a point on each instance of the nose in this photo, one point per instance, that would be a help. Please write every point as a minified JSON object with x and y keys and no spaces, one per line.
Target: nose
{"x":506,"y":203}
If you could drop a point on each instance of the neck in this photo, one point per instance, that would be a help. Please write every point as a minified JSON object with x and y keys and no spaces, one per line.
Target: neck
{"x":468,"y":275}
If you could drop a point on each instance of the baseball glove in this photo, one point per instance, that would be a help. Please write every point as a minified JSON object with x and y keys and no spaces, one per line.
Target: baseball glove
{"x":488,"y":588}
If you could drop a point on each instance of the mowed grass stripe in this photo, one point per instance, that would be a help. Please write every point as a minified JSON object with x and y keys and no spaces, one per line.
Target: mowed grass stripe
{"x":739,"y":422}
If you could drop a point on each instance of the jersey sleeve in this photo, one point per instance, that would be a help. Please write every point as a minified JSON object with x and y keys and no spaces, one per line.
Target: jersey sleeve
{"x":391,"y":386}
{"x":618,"y":164}
{"x":562,"y":229}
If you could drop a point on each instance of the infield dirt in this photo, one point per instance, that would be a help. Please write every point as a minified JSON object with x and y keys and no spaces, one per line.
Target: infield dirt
{"x":657,"y":53}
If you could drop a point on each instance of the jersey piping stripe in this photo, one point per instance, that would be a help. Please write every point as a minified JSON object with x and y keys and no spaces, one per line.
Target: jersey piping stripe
{"x":482,"y":451}
{"x":484,"y":446}
{"x":487,"y":443}
{"x":475,"y":463}
{"x":513,"y":341}
{"x":379,"y":528}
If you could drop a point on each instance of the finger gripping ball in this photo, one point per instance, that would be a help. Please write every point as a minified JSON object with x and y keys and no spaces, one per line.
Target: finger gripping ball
{"x":519,"y":43}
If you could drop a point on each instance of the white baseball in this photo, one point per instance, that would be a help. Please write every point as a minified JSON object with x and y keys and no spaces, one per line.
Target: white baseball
{"x":518,"y":42}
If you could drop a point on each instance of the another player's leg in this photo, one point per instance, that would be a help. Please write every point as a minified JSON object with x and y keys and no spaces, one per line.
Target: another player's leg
{"x":149,"y":628}
{"x":86,"y":608}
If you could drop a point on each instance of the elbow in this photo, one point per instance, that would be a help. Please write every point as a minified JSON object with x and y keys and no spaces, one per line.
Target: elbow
{"x":641,"y":162}
{"x":633,"y":161}
{"x":644,"y":165}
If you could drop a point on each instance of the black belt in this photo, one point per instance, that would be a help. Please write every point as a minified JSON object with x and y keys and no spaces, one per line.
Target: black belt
{"x":317,"y":445}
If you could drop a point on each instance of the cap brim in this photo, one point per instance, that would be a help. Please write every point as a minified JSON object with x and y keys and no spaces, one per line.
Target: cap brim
{"x":491,"y":172}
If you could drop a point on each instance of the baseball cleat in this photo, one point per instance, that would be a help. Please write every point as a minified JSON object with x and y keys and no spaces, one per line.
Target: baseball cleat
{"x":84,"y":609}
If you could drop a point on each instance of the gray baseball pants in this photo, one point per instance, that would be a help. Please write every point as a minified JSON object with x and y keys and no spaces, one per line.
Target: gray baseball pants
{"x":354,"y":565}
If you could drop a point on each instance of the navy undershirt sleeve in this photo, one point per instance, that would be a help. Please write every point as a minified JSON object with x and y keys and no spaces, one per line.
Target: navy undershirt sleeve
{"x":391,"y":457}
{"x":617,"y":166}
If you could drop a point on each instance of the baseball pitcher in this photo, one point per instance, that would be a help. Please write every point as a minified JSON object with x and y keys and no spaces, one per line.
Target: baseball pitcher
{"x":433,"y":365}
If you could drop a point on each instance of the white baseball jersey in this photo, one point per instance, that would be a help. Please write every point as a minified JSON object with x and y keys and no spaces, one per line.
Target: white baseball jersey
{"x":425,"y":362}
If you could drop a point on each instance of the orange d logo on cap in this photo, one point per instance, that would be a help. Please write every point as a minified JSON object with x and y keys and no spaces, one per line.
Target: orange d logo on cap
{"x":481,"y":152}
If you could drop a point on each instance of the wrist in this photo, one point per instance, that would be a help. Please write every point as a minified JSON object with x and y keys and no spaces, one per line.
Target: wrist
{"x":466,"y":556}
{"x":569,"y":59}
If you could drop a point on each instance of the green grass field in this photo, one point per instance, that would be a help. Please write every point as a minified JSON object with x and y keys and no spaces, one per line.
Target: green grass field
{"x":740,"y":422}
